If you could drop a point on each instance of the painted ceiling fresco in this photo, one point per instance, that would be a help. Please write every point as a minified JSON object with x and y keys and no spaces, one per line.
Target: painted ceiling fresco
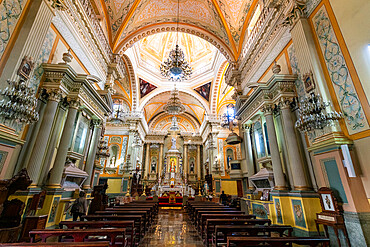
{"x":223,"y":19}
{"x":155,"y":48}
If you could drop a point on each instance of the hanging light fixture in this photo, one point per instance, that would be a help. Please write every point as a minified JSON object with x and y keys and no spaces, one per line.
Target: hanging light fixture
{"x":18,"y":103}
{"x":176,"y":68}
{"x":313,"y":114}
{"x":174,"y":105}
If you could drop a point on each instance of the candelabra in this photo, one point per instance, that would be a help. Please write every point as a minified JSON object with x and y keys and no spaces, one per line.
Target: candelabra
{"x":313,"y":114}
{"x":18,"y":103}
{"x":102,"y":150}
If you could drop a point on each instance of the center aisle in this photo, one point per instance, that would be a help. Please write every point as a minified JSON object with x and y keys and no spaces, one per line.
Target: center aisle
{"x":171,"y":229}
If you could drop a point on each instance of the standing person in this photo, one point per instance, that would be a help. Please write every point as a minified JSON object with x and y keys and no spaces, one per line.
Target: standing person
{"x":223,"y":198}
{"x":79,"y":207}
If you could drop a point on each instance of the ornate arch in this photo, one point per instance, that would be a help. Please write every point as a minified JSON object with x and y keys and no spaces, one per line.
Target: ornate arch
{"x":128,"y":41}
{"x":159,"y":92}
{"x":215,"y":87}
{"x":186,"y":116}
{"x":132,"y":79}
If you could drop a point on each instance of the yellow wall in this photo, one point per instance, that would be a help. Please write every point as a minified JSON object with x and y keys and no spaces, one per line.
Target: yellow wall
{"x":114,"y":185}
{"x":229,"y":187}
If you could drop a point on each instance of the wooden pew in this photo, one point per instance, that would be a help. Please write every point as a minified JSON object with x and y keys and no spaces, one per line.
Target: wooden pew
{"x":223,"y":231}
{"x":192,"y":212}
{"x":154,"y":204}
{"x":136,"y":218}
{"x":199,"y":219}
{"x":148,"y":211}
{"x":143,"y":214}
{"x":79,"y":235}
{"x":129,"y":225}
{"x":52,"y":244}
{"x":277,"y":241}
{"x":211,"y":222}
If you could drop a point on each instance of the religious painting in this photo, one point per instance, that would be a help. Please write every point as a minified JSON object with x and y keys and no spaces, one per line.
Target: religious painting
{"x":67,"y":210}
{"x":204,"y":90}
{"x":328,"y":201}
{"x":145,"y":87}
{"x":279,"y":215}
{"x":53,"y":210}
{"x":308,"y":81}
{"x":26,"y":68}
{"x":298,"y":213}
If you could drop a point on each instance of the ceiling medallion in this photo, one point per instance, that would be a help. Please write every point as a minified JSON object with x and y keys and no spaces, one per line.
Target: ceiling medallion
{"x":176,"y":68}
{"x":174,"y":105}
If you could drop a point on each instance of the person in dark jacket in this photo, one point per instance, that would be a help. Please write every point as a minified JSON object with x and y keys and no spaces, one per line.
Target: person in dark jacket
{"x":79,"y":207}
{"x":223,"y":198}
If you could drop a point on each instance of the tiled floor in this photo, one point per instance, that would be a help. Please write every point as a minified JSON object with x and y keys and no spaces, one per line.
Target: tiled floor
{"x":171,"y":229}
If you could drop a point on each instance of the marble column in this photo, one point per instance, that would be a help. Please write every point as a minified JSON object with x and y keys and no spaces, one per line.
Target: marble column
{"x":249,"y":151}
{"x":147,"y":161}
{"x":60,"y":159}
{"x":40,"y":147}
{"x":280,"y":183}
{"x":295,"y":161}
{"x":198,"y":163}
{"x":160,"y":162}
{"x":90,"y":161}
{"x":186,"y":160}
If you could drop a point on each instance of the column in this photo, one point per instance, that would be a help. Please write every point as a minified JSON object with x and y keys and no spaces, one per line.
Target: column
{"x":89,"y":167}
{"x":186,"y":160}
{"x":198,"y":163}
{"x":280,"y":183}
{"x":38,"y":151}
{"x":295,"y":161}
{"x":32,"y":34}
{"x":60,"y":159}
{"x":147,"y":161}
{"x":160,"y":162}
{"x":249,"y":151}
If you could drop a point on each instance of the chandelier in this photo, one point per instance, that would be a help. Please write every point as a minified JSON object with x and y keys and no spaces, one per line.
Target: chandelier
{"x":102,"y":152}
{"x":176,"y":68}
{"x":313,"y":114}
{"x":174,"y":105}
{"x":18,"y":103}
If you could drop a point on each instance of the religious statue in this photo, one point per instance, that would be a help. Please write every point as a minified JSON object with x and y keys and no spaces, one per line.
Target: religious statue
{"x":173,"y":140}
{"x":228,"y":161}
{"x":153,"y":166}
{"x":192,"y":167}
{"x":173,"y":166}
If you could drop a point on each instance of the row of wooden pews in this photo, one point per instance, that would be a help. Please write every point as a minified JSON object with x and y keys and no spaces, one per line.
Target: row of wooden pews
{"x":219,"y":225}
{"x":119,"y":225}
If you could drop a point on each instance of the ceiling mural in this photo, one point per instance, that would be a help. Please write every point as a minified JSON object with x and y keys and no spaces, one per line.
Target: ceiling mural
{"x":145,"y":87}
{"x":204,"y":90}
{"x":222,"y":19}
{"x":154,"y":49}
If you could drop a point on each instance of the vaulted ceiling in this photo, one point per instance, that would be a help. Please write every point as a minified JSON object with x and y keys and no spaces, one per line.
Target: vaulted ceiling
{"x":222,"y":22}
